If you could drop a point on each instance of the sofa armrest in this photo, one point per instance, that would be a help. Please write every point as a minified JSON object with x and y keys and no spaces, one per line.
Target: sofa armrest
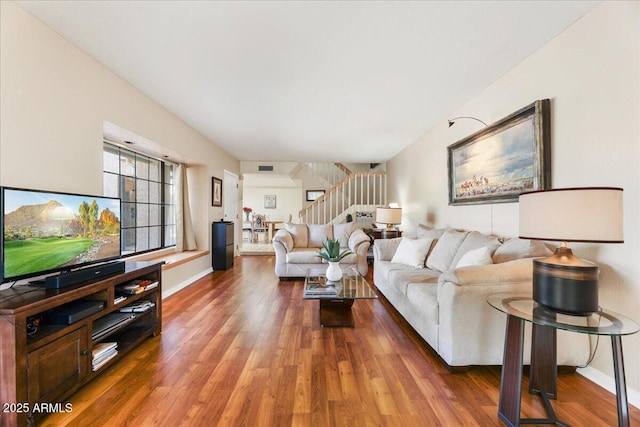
{"x":356,"y":239}
{"x":283,"y":239}
{"x":385,"y":249}
{"x":520,"y":270}
{"x":462,"y":300}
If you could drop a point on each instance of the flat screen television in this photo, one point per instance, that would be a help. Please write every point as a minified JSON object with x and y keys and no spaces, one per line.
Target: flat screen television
{"x":46,"y":232}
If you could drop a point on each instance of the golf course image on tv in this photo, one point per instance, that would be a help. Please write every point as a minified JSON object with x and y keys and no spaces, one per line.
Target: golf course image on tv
{"x":46,"y":231}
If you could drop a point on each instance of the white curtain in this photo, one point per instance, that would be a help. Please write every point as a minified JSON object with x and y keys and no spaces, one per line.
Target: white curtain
{"x":185,"y":239}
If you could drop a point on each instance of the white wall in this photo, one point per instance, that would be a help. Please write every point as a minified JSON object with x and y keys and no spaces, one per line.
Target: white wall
{"x":286,"y":190}
{"x":54,"y":100}
{"x":591,"y":73}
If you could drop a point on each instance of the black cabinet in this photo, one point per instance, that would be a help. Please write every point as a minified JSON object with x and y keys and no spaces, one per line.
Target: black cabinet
{"x":222,"y":245}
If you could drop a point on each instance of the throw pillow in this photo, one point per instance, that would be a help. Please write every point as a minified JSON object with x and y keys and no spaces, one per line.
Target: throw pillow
{"x":445,"y":250}
{"x":520,"y":248}
{"x":412,"y":252}
{"x":479,"y":256}
{"x":318,"y":234}
{"x":299,"y":233}
{"x":342,"y":232}
{"x":475,"y":240}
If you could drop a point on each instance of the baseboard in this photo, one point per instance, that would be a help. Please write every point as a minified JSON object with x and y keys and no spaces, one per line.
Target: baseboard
{"x":186,"y":283}
{"x":609,"y":384}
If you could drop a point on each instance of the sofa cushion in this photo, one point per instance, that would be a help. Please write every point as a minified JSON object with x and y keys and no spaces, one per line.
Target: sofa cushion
{"x":445,"y":249}
{"x":520,"y":248}
{"x":425,"y":232}
{"x":304,"y":256}
{"x":475,"y":240}
{"x":384,"y":249}
{"x":299,"y":233}
{"x":383,"y":268}
{"x":425,"y":297}
{"x":402,"y":276}
{"x":318,"y":234}
{"x":341,"y":232}
{"x":412,"y":252}
{"x":479,"y":256}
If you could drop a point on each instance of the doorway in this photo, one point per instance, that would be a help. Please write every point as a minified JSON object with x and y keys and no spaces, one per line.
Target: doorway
{"x":231,"y":195}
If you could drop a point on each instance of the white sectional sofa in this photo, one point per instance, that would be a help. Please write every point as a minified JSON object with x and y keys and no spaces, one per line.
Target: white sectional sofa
{"x":297,"y":247}
{"x":439,"y":283}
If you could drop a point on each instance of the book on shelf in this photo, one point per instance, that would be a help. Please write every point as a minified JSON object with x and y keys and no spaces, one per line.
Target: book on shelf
{"x":102,"y":348}
{"x":95,"y":365}
{"x":118,"y":299}
{"x":138,"y":307}
{"x":136,"y":287}
{"x":102,"y":353}
{"x":151,"y":286}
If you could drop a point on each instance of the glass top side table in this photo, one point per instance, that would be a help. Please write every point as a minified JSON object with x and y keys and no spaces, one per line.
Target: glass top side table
{"x":545,"y":323}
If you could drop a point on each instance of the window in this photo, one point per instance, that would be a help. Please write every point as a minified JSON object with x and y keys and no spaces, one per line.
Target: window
{"x":146,"y":187}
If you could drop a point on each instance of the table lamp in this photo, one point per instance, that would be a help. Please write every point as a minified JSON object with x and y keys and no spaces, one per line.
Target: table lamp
{"x":389,"y":216}
{"x":563,"y":282}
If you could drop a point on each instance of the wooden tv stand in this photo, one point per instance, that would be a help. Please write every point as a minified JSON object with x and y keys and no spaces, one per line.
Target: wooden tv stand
{"x":42,"y":365}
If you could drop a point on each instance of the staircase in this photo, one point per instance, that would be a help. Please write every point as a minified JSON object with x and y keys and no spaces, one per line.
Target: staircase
{"x":350,"y":193}
{"x":326,"y":174}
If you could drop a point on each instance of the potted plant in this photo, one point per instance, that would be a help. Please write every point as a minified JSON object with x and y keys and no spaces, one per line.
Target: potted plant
{"x":330,"y":252}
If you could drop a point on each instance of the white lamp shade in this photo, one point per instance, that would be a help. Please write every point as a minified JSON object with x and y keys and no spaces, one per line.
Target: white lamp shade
{"x":388,"y":215}
{"x":573,"y":215}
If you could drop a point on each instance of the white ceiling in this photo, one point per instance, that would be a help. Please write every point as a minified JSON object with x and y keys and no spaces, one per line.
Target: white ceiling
{"x":348,"y":81}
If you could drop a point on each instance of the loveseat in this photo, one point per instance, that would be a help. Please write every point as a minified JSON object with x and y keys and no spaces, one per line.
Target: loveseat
{"x":440,"y":280}
{"x":297,"y":247}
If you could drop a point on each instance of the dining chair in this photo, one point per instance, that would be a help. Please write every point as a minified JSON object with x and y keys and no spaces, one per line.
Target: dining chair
{"x":258,"y":225}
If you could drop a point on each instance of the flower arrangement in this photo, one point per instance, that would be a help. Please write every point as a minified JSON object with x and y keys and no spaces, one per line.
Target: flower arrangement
{"x":247,"y":211}
{"x":331,"y":251}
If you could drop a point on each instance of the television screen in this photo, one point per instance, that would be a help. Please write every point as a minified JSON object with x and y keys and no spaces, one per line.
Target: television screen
{"x":45,"y":232}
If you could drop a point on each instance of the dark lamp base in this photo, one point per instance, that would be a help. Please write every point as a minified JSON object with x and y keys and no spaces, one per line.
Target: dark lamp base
{"x":566,"y":284}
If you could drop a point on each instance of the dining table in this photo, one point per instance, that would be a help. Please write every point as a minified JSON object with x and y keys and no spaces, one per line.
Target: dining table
{"x":271,"y":227}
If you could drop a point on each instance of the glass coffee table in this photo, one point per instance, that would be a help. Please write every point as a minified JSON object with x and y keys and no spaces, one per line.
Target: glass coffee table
{"x":336,"y":298}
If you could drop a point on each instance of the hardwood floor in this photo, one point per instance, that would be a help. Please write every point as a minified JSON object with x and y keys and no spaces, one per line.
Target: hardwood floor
{"x":240,"y":349}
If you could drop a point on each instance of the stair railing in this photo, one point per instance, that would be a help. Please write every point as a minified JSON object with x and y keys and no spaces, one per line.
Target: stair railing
{"x":360,"y":191}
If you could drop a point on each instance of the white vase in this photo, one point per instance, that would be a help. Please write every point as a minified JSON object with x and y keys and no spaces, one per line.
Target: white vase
{"x":334,"y":272}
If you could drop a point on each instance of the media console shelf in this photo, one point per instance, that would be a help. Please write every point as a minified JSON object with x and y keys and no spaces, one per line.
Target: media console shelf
{"x":53,"y":341}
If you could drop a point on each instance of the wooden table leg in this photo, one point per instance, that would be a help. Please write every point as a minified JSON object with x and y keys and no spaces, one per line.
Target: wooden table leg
{"x":544,"y":365}
{"x":511,"y":379}
{"x":621,"y":386}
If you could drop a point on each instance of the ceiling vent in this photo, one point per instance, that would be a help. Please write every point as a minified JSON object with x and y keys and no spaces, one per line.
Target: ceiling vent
{"x":264,"y":168}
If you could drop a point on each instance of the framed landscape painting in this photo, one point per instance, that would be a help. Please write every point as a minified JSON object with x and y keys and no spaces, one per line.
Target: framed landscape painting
{"x":503,"y":160}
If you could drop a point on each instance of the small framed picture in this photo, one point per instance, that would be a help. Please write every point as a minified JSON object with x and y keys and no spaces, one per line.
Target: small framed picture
{"x":314,"y":194}
{"x":270,"y":202}
{"x":216,"y":191}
